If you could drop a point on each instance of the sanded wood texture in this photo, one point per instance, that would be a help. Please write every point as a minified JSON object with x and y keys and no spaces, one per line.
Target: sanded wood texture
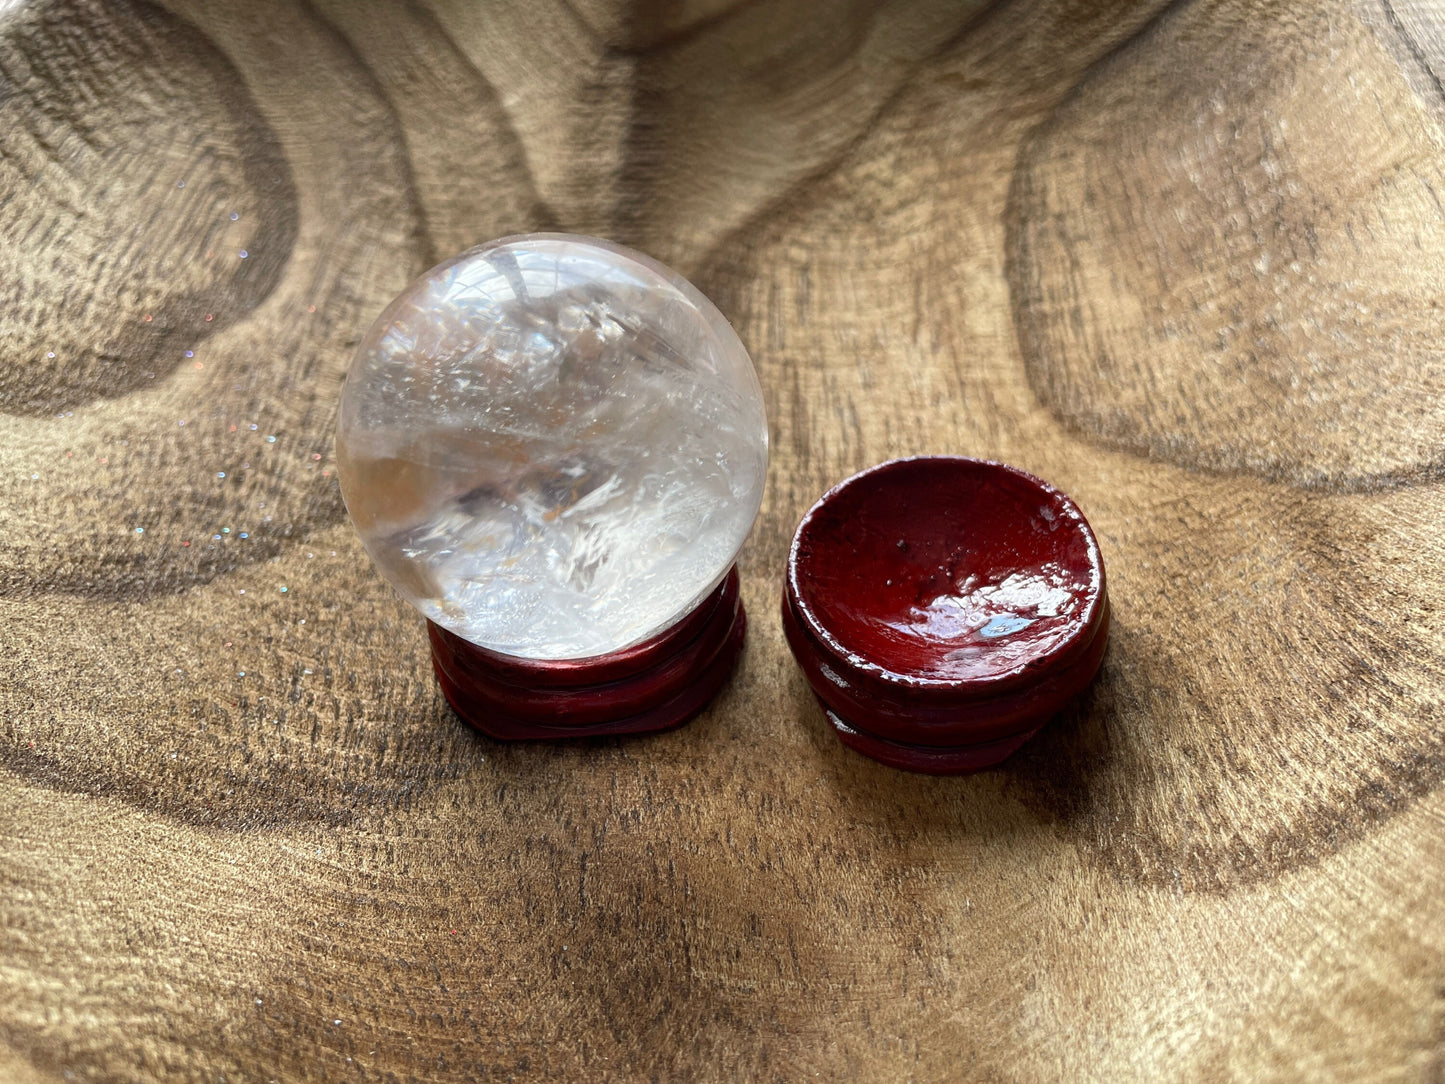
{"x":1185,"y":261}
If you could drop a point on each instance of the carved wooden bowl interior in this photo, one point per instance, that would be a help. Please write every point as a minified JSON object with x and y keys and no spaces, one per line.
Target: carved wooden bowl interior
{"x":1181,"y":259}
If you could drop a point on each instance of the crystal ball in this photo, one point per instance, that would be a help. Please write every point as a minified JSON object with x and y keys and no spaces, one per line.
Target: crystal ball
{"x":552,"y":446}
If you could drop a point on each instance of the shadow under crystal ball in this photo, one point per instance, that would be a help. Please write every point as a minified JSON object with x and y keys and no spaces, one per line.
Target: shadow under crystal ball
{"x":553,"y":447}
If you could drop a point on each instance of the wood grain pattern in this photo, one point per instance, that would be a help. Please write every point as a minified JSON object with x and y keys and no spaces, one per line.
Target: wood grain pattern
{"x":1243,"y":247}
{"x":242,"y":837}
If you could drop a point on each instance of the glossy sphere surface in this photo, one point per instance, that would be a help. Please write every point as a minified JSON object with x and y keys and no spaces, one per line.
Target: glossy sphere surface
{"x":552,"y":446}
{"x":943,"y":571}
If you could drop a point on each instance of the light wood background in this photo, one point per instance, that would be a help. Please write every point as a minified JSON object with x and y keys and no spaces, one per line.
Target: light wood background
{"x":1186,"y":261}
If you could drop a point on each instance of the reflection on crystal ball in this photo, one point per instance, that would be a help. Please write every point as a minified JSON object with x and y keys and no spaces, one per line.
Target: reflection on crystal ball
{"x":552,"y":446}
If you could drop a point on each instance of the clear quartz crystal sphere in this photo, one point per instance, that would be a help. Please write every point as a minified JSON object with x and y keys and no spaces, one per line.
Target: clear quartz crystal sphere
{"x":552,"y":446}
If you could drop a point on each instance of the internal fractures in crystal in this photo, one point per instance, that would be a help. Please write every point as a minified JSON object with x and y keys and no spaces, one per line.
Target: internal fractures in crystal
{"x":554,"y":447}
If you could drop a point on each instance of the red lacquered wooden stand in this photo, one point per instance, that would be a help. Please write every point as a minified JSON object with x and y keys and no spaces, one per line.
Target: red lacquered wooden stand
{"x":943,"y":609}
{"x":654,"y":685}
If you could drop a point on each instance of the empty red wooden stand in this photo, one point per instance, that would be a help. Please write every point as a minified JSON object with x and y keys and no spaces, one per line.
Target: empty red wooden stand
{"x":943,"y":609}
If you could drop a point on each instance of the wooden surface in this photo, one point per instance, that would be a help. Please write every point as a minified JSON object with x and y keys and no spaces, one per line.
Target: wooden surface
{"x":1184,"y":260}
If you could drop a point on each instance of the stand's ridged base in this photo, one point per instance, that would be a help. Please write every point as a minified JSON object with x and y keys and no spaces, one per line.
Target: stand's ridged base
{"x":969,"y":734}
{"x":652,"y":686}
